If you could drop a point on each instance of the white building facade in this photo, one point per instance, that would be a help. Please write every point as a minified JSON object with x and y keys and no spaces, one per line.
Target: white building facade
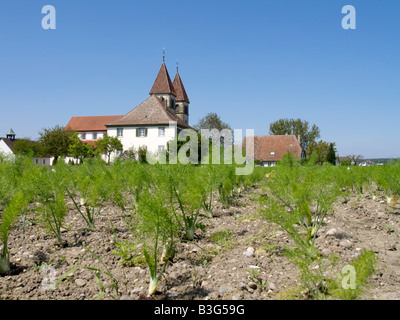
{"x":152,"y":124}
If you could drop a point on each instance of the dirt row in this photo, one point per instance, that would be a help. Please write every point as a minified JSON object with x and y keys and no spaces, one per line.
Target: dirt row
{"x":238,"y":256}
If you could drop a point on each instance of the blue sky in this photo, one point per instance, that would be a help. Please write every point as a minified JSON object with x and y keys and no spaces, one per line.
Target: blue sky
{"x":252,"y":62}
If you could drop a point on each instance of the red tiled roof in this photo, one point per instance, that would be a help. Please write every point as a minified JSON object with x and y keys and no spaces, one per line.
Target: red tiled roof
{"x":277,"y":144}
{"x":90,"y":123}
{"x":150,"y":112}
{"x":163,"y":83}
{"x":180,"y":89}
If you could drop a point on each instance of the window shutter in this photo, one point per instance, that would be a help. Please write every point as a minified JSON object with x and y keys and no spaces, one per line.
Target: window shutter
{"x":145,"y":132}
{"x":137,"y":132}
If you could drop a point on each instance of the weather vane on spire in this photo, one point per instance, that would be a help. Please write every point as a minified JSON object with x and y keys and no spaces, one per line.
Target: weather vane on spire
{"x":177,"y":65}
{"x":163,"y":58}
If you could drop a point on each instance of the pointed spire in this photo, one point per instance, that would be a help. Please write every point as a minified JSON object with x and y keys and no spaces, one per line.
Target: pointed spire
{"x":180,"y":89}
{"x":163,"y":83}
{"x":163,"y":55}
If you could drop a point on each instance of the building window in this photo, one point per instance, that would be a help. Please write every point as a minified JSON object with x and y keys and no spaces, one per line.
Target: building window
{"x":142,"y":132}
{"x":37,"y":161}
{"x":120,"y":132}
{"x":83,"y":136}
{"x":44,"y":161}
{"x":161,"y":132}
{"x":94,"y":136}
{"x":272,"y":153}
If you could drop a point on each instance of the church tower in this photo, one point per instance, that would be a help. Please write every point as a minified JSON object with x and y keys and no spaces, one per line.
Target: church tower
{"x":163,"y":87}
{"x":182,"y":100}
{"x":172,"y":94}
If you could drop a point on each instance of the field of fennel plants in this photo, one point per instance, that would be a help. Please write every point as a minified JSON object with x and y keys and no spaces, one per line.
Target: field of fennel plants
{"x":136,"y":231}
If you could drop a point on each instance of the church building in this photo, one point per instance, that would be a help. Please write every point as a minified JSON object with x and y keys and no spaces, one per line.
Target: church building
{"x":151,"y":124}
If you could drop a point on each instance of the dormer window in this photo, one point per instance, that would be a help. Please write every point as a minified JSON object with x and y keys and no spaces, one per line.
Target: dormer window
{"x":272,"y":153}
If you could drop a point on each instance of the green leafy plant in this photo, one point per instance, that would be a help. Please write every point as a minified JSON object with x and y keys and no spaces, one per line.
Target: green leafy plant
{"x":298,"y":201}
{"x":10,"y":213}
{"x":48,"y":185}
{"x":158,"y":231}
{"x":186,"y":189}
{"x":128,"y":252}
{"x":91,"y":183}
{"x":364,"y":267}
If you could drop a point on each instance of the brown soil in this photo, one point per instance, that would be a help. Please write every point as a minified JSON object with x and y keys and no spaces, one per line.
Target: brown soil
{"x":210,"y":267}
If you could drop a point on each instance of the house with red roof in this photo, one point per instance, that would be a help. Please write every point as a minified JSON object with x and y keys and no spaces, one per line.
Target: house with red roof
{"x":270,"y":149}
{"x":151,"y":124}
{"x":90,"y":128}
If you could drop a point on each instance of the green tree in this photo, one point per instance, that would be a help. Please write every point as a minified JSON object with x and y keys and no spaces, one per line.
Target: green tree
{"x":212,"y":121}
{"x":26,"y":146}
{"x":320,"y":150}
{"x":108,"y":145}
{"x":79,"y":149}
{"x":308,"y":133}
{"x":331,"y":156}
{"x":56,"y":141}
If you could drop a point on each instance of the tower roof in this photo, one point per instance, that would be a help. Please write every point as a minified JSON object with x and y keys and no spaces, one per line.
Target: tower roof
{"x":163,"y":83}
{"x":10,"y":132}
{"x":180,"y":89}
